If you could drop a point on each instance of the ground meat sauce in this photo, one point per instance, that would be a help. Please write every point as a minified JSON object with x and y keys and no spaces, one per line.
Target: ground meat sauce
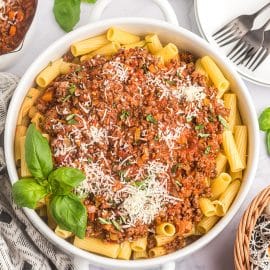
{"x":15,"y":19}
{"x":146,"y":136}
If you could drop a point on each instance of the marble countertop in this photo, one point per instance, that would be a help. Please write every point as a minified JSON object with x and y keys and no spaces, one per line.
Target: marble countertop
{"x":218,"y":255}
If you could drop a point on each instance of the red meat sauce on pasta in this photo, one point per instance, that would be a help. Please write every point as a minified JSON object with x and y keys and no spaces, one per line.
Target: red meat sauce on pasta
{"x":146,"y":135}
{"x":15,"y":19}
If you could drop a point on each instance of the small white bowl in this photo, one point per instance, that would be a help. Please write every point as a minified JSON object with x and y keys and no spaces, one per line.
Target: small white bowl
{"x":168,"y":33}
{"x":6,"y":60}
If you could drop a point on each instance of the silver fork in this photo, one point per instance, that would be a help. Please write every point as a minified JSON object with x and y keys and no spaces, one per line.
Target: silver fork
{"x":255,"y":60}
{"x":236,"y":28}
{"x":248,"y":45}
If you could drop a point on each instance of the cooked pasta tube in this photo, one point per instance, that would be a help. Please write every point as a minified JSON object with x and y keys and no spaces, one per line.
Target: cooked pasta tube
{"x":139,"y":255}
{"x":236,"y":175}
{"x":221,"y":163}
{"x":139,"y":244}
{"x":36,"y":120}
{"x":125,"y":251}
{"x":97,"y":246}
{"x":62,"y":233}
{"x":33,"y":110}
{"x":230,"y":102}
{"x":206,"y":224}
{"x":153,"y":43}
{"x":238,"y":120}
{"x":88,"y":45}
{"x":231,"y":151}
{"x":226,"y":199}
{"x":220,"y":184}
{"x":165,"y":228}
{"x":121,"y":36}
{"x":140,"y":44}
{"x":207,"y":207}
{"x":190,"y":233}
{"x":24,"y":169}
{"x":241,"y":140}
{"x":107,"y":50}
{"x":47,"y":75}
{"x":199,"y":69}
{"x":20,"y":132}
{"x":66,"y":67}
{"x":156,"y":252}
{"x":162,"y":240}
{"x":28,"y":102}
{"x":216,"y":76}
{"x":166,"y":54}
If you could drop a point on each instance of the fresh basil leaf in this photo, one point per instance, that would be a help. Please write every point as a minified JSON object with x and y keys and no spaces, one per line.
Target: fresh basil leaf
{"x":268,"y":141}
{"x":222,"y":121}
{"x":39,"y":156}
{"x":27,"y":192}
{"x":264,"y":120}
{"x":89,"y":1}
{"x":69,"y":213}
{"x":67,"y":13}
{"x":63,"y":180}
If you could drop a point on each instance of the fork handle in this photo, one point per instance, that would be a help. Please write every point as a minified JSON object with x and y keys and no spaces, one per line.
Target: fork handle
{"x":265,"y":25}
{"x":261,"y":10}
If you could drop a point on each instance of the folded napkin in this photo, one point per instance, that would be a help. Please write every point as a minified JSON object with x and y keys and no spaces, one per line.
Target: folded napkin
{"x":22,"y":246}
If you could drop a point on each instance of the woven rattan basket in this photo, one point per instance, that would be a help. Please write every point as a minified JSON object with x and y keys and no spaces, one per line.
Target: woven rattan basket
{"x":246,"y":226}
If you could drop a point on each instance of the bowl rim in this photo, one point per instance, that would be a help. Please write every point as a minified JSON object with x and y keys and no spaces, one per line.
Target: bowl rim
{"x":9,"y":143}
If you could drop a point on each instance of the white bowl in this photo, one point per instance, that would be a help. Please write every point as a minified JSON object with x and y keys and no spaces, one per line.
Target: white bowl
{"x":6,"y":60}
{"x":168,"y":33}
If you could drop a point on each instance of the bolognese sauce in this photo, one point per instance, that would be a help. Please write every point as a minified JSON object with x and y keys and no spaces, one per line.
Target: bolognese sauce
{"x":146,"y":136}
{"x":15,"y":19}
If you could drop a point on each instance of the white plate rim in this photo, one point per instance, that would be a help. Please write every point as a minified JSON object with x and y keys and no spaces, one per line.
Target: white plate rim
{"x":244,"y":76}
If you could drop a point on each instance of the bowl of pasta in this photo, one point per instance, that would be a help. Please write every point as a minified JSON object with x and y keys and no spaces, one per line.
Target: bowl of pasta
{"x":131,"y":139}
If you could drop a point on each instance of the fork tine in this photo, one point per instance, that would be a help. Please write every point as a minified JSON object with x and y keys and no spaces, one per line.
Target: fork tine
{"x":236,"y":48}
{"x":250,"y":51}
{"x":228,"y":25}
{"x":254,"y":56}
{"x":231,"y":34}
{"x":261,"y":60}
{"x":242,"y":54}
{"x":223,"y":33}
{"x":229,"y":41}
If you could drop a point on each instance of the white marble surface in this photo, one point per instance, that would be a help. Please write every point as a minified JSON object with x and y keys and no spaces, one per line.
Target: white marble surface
{"x":218,"y":255}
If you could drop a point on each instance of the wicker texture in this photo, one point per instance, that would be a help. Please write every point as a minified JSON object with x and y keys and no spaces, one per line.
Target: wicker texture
{"x":246,"y":226}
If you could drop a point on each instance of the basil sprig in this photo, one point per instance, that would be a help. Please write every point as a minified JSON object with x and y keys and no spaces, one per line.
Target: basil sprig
{"x":66,"y":208}
{"x":67,"y":12}
{"x":264,"y":123}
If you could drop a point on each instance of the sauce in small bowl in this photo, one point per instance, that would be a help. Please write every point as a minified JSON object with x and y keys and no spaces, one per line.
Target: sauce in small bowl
{"x":16,"y":17}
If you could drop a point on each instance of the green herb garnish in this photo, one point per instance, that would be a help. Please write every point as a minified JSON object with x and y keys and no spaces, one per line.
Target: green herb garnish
{"x":178,"y":183}
{"x":116,"y":225}
{"x":104,"y":221}
{"x":151,"y":119}
{"x":203,"y":135}
{"x":57,"y":185}
{"x":72,"y":88}
{"x":264,"y":120}
{"x":67,"y":12}
{"x":172,"y":83}
{"x":199,"y":127}
{"x":175,"y":167}
{"x":207,"y":150}
{"x":222,"y":121}
{"x":145,"y":68}
{"x":124,"y":115}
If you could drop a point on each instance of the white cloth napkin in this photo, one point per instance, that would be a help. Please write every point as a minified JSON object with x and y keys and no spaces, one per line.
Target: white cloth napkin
{"x":22,"y":246}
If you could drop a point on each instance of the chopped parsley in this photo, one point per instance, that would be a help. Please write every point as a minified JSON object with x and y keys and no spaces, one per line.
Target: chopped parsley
{"x":207,"y":150}
{"x":203,"y":135}
{"x":70,"y":119}
{"x":178,"y":183}
{"x":124,"y":115}
{"x":151,"y":119}
{"x":171,"y":83}
{"x":145,"y":68}
{"x":104,"y":221}
{"x":222,"y":121}
{"x":199,"y":127}
{"x":175,"y":167}
{"x":157,"y":138}
{"x":116,"y":225}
